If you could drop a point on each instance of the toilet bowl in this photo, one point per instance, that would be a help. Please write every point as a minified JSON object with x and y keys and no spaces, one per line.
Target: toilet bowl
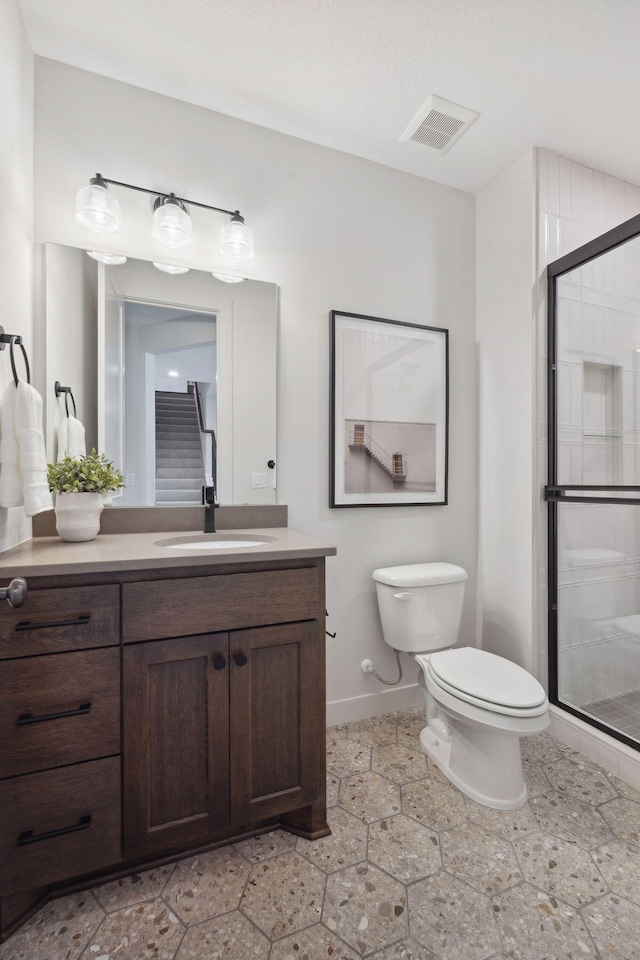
{"x":484,"y":704}
{"x":478,"y":705}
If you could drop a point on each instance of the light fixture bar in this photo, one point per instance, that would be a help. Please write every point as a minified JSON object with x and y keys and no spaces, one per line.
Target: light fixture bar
{"x":159,"y":193}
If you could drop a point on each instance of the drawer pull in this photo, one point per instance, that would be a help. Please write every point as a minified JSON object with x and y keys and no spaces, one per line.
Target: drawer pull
{"x":28,"y":836}
{"x":42,"y":625}
{"x":240,"y":659}
{"x":219,"y":662}
{"x":26,"y":718}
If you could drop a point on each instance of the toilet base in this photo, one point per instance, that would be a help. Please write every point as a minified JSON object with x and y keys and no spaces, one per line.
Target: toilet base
{"x":485,"y":767}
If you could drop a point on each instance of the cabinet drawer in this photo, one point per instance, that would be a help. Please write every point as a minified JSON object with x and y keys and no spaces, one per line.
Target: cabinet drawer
{"x":178,"y":608}
{"x":58,"y":710}
{"x":59,"y":824}
{"x":69,"y":618}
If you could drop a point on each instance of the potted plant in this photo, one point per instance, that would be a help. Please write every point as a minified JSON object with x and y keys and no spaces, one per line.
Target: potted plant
{"x":82,"y":486}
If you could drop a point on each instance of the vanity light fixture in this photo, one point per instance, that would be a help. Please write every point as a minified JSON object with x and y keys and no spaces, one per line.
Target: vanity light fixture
{"x":173,"y":268}
{"x":111,"y":259}
{"x":99,"y":210}
{"x":236,"y":241}
{"x":96,"y":208}
{"x":171,"y":222}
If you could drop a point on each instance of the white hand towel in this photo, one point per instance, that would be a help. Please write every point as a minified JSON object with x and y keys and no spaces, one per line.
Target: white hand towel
{"x":32,"y":455}
{"x":10,"y":476}
{"x":71,"y":442}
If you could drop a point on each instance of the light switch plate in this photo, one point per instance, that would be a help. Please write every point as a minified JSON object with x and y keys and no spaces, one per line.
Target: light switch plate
{"x":259,"y":479}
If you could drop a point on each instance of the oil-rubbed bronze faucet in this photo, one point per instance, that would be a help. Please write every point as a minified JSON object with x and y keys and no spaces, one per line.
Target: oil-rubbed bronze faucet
{"x":210,"y":507}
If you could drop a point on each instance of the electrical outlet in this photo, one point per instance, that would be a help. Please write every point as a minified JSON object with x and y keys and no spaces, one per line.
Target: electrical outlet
{"x":259,"y":479}
{"x":131,"y":479}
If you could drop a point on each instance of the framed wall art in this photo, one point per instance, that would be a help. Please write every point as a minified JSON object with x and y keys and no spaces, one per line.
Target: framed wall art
{"x":389,"y":412}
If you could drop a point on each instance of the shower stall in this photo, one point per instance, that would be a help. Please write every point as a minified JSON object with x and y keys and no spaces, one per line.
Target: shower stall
{"x":593,"y":489}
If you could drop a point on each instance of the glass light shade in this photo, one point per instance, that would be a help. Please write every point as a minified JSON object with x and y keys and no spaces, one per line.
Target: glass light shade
{"x":97,"y":209}
{"x":236,"y":241}
{"x":228,"y":277}
{"x":111,"y":259}
{"x":173,"y":268}
{"x":171,"y":223}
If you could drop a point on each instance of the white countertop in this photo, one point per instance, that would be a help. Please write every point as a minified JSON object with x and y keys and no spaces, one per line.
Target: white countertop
{"x":50,"y":556}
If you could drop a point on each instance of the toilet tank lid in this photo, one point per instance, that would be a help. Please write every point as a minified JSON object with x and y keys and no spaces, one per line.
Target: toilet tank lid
{"x":419,"y":574}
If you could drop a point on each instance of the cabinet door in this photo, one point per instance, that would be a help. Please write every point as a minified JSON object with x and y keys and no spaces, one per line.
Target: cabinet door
{"x":176,"y":743}
{"x":277,"y":720}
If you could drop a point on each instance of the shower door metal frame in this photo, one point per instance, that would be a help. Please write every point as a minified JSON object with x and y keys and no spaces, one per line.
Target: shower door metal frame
{"x":555,"y":493}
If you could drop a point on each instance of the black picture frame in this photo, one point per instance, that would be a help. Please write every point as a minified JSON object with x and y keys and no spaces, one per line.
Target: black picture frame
{"x":414,"y":471}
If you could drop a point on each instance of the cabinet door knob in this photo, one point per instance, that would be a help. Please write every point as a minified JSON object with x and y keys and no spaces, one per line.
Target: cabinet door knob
{"x":240,"y":659}
{"x":15,"y":593}
{"x":219,"y":662}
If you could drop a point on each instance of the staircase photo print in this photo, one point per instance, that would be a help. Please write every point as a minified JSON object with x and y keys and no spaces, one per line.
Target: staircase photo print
{"x":389,"y":412}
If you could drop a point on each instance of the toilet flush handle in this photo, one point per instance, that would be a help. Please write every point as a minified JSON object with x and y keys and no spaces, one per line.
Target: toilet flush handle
{"x":402,"y":596}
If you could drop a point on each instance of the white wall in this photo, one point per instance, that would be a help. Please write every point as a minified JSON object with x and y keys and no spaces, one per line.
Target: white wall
{"x":16,"y":222}
{"x":506,"y":350}
{"x":326,"y":225}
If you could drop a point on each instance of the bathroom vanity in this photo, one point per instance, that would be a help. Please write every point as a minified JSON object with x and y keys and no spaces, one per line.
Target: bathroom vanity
{"x":155,"y":702}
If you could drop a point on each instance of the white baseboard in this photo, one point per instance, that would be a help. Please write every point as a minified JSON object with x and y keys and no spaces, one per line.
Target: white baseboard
{"x":374,"y":704}
{"x":616,"y":757}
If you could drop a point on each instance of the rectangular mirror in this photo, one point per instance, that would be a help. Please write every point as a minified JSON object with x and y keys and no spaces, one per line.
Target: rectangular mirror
{"x":173,"y":376}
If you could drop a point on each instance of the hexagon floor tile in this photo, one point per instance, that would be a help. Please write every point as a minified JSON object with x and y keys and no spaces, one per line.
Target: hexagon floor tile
{"x":314,"y":942}
{"x":614,"y":924}
{"x":346,"y":757}
{"x":228,"y":937}
{"x":399,"y":762}
{"x":346,"y":845}
{"x":404,"y":848}
{"x":135,"y":888}
{"x":580,"y":780}
{"x":480,"y":857}
{"x":433,"y":803}
{"x":560,"y":868}
{"x":571,"y":820}
{"x":619,"y":864}
{"x":143,"y":931}
{"x":534,"y":925}
{"x":283,"y":895}
{"x":413,"y":871}
{"x":365,"y":907}
{"x":452,"y":919}
{"x":207,"y":885}
{"x":60,"y":931}
{"x":370,"y":796}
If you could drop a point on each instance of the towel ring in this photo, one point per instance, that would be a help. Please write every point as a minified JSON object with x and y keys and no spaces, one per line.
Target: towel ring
{"x":68,"y":392}
{"x":18,"y":340}
{"x":66,"y":404}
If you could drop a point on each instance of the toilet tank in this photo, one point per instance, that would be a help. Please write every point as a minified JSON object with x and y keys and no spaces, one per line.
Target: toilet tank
{"x":420,"y":605}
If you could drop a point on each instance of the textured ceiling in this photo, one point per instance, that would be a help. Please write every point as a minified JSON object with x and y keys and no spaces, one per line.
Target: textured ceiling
{"x":351,"y":74}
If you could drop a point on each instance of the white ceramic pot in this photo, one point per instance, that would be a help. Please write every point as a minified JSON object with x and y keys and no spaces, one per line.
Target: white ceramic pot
{"x":78,"y":515}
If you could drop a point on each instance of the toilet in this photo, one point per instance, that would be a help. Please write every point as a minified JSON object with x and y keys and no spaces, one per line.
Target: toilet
{"x":478,"y":704}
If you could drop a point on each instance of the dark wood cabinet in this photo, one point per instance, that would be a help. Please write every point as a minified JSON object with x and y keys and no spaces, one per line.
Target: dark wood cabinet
{"x":146,"y":715}
{"x":176,"y":743}
{"x":275,"y":766}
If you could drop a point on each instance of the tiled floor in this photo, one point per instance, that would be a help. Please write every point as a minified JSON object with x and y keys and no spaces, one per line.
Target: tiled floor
{"x":412,"y":871}
{"x":621,"y":712}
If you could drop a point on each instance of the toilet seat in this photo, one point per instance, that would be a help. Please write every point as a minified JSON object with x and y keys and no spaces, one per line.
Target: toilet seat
{"x":486,"y":681}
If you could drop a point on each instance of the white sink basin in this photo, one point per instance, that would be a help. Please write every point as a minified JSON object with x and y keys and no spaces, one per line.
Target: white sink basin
{"x":214,"y":541}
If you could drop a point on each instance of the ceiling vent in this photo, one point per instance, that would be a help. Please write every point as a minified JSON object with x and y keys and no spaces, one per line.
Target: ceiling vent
{"x":438,"y":124}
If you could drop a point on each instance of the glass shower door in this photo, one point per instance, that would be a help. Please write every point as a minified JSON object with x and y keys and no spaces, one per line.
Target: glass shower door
{"x":593,"y":491}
